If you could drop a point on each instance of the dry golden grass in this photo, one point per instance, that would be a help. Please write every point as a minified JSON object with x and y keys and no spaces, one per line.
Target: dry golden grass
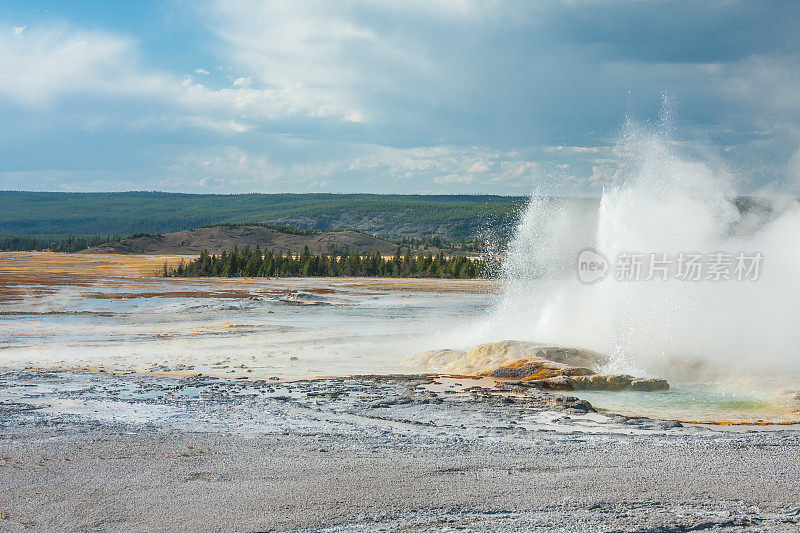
{"x":38,"y":272}
{"x":49,"y":263}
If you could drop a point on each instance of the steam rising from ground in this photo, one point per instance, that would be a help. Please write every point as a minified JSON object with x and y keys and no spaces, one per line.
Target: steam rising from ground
{"x":662,"y":204}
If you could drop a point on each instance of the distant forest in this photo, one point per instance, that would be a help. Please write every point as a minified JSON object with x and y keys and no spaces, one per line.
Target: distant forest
{"x":48,"y":215}
{"x":70,"y":243}
{"x":254,"y":263}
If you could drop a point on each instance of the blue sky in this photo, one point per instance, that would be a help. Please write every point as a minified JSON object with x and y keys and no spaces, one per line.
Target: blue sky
{"x":388,"y":96}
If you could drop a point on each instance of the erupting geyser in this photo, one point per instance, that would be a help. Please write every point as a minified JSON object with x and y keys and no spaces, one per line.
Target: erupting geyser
{"x":656,"y":322}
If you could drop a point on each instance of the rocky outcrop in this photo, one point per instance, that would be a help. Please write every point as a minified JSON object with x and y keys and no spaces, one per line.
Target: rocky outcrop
{"x":532,"y":369}
{"x":490,"y":356}
{"x":551,"y":375}
{"x":544,"y":366}
{"x":649,"y":384}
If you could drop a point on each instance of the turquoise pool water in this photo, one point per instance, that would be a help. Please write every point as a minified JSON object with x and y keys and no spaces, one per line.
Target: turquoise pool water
{"x":710,"y":403}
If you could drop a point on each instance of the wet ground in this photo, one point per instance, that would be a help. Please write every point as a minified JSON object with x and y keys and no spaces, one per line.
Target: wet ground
{"x":97,"y":315}
{"x":98,"y":452}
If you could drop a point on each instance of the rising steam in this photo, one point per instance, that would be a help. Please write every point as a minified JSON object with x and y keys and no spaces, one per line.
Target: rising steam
{"x":661,"y":204}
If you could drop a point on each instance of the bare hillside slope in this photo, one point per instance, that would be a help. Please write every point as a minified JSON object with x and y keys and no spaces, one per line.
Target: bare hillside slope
{"x":217,"y":239}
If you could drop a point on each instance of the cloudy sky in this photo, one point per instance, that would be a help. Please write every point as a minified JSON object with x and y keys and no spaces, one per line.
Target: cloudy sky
{"x":454,"y":96}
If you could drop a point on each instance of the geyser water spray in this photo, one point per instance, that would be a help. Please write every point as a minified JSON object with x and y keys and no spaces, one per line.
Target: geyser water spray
{"x":738,"y":311}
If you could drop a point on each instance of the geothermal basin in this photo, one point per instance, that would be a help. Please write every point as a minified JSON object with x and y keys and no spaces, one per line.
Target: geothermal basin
{"x":108,"y":314}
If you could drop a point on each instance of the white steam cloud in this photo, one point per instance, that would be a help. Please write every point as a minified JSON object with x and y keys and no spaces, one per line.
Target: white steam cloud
{"x":681,"y":329}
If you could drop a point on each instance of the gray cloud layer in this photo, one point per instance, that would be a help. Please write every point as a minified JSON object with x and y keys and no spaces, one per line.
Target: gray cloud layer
{"x":391,"y":96}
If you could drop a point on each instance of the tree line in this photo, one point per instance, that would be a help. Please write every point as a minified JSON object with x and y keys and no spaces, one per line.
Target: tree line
{"x":70,"y":243}
{"x":474,"y":245}
{"x":255,"y":263}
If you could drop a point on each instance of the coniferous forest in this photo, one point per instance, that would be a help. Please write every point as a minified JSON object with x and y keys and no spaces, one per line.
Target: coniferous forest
{"x":255,"y":263}
{"x":70,"y":243}
{"x":453,"y":217}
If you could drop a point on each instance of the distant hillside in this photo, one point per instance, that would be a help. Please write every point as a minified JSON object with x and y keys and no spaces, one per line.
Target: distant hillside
{"x":391,"y":216}
{"x":217,"y":239}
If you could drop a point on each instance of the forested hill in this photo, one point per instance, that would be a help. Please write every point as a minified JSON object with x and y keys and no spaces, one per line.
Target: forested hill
{"x":452,"y":217}
{"x":225,"y":237}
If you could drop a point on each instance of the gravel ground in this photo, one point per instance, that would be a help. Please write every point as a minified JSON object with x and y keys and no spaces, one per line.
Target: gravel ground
{"x":89,"y":452}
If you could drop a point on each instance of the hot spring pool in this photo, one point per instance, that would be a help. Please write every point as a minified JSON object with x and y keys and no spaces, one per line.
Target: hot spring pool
{"x":703,"y":403}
